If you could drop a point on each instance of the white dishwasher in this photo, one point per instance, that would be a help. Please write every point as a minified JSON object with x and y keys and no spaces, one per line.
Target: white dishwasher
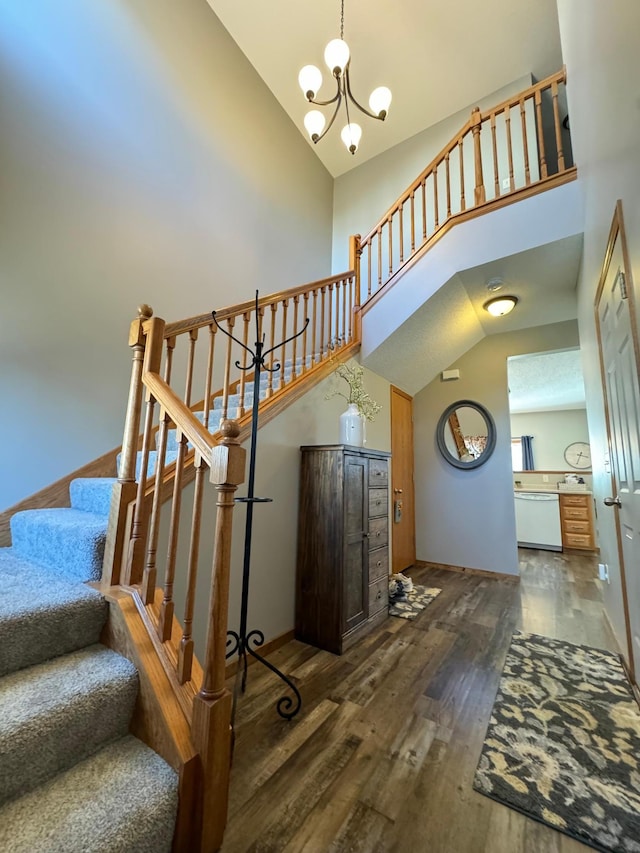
{"x":538,"y":520}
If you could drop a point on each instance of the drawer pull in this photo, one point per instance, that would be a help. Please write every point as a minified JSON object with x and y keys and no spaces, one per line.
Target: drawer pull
{"x":378,"y":503}
{"x":377,"y":533}
{"x":379,"y":563}
{"x":379,"y":595}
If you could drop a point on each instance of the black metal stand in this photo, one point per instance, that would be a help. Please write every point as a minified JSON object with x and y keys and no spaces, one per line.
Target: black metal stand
{"x":242,"y":642}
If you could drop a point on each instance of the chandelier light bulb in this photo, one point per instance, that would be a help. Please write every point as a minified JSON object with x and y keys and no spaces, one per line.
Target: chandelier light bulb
{"x":379,"y":101}
{"x":350,"y":135}
{"x":310,"y":80}
{"x":314,"y":123}
{"x":336,"y":55}
{"x":501,"y":305}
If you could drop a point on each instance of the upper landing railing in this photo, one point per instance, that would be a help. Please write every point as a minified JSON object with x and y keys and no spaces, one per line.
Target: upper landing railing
{"x":499,"y":156}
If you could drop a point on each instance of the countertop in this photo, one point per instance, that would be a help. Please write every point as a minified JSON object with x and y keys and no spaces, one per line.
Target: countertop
{"x":550,"y":490}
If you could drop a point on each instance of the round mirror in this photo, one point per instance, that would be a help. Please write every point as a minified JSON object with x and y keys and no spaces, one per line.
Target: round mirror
{"x":466,"y":434}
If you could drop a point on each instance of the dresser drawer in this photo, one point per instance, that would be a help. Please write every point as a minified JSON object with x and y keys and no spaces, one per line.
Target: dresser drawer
{"x":378,"y":472}
{"x":576,"y":540}
{"x":574,"y":500}
{"x":580,"y":512}
{"x":378,"y":502}
{"x":378,"y":563}
{"x":378,"y":533}
{"x":378,"y":595}
{"x":574,"y":526}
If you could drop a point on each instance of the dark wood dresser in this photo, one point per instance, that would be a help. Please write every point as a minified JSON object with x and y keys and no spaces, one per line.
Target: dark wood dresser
{"x":342,"y":582}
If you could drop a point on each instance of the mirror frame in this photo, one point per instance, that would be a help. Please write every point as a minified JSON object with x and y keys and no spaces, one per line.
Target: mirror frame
{"x":491,"y":435}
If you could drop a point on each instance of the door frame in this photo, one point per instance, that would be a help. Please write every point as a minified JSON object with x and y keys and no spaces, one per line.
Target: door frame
{"x":617,"y":232}
{"x":393,"y":389}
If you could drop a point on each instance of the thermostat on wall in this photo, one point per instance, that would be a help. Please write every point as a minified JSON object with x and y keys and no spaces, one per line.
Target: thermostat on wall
{"x":450,"y":374}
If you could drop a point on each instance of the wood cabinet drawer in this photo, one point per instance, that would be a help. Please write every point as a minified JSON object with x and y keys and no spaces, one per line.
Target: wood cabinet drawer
{"x":378,"y":563}
{"x":581,"y":512}
{"x":378,"y":472}
{"x":378,"y":533}
{"x":577,"y":540}
{"x":574,"y":500}
{"x":378,"y":595}
{"x":574,"y":526}
{"x":378,"y":502}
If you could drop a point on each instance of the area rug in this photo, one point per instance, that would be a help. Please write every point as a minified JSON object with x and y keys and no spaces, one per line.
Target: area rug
{"x":563,"y":743}
{"x":414,"y":603}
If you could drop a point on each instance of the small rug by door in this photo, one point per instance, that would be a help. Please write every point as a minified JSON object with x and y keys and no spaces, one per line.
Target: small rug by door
{"x":414,"y":603}
{"x":563,"y":743}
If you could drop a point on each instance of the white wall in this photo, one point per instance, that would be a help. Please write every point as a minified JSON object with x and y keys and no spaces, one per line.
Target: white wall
{"x":552,"y":432}
{"x":143,"y":160}
{"x":311,"y":420}
{"x":467,"y":518}
{"x":362,"y":195}
{"x":600,"y":47}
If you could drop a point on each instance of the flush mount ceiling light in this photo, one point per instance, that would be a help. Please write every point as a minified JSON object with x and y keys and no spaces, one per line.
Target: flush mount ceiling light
{"x":501,"y":305}
{"x":338,"y":59}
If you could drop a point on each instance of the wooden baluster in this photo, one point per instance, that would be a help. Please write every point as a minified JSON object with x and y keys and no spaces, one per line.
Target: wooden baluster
{"x":476,"y":127}
{"x":305,"y":300}
{"x":336,"y":336}
{"x":343,"y":331}
{"x":330,"y":318}
{"x":355,"y":253}
{"x":272,"y":355}
{"x":448,"y":183}
{"x":525,"y":146}
{"x":494,"y":144}
{"x":507,"y":120}
{"x":227,"y":371}
{"x":401,"y":232}
{"x":294,"y":342}
{"x":368,"y":270}
{"x":209,"y":377}
{"x":461,"y":159}
{"x":283,"y":355}
{"x":390,"y":227}
{"x":322,"y":297}
{"x":436,"y":212}
{"x":314,"y":326}
{"x":541,"y":152}
{"x":210,"y":725}
{"x":556,"y":121}
{"x":423,"y":187}
{"x":185,"y":650}
{"x":352,"y":304}
{"x":167,"y":607}
{"x":413,"y":220}
{"x":246,"y":317}
{"x":125,"y":489}
{"x":379,"y":232}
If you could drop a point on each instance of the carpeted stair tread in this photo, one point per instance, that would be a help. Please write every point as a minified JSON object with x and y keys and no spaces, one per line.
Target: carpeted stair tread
{"x":57,"y":713}
{"x":43,"y":615}
{"x":68,"y":540}
{"x":92,"y":494}
{"x":123,"y":799}
{"x":169,"y":457}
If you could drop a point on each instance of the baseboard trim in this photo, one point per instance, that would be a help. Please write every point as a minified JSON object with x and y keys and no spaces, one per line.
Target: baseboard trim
{"x":266,"y":649}
{"x":502,"y":576}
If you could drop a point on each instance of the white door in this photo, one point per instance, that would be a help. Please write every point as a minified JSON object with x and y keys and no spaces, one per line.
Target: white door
{"x":620,"y":361}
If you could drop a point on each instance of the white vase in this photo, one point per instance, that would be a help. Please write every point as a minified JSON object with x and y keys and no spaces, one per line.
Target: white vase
{"x":352,"y":426}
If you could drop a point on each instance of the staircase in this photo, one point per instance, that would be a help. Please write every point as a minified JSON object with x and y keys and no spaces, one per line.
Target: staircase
{"x":68,"y":760}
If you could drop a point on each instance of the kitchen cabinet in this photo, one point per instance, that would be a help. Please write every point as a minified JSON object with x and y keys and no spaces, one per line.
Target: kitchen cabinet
{"x":576,"y":521}
{"x":343,"y":545}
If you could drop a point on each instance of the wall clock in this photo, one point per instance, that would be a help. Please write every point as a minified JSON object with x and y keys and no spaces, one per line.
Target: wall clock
{"x":578,"y":455}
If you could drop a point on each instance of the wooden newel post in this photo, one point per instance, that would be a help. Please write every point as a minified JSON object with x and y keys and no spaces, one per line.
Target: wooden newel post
{"x":211,"y":722}
{"x":476,"y":124}
{"x":125,"y":489}
{"x":355,"y":251}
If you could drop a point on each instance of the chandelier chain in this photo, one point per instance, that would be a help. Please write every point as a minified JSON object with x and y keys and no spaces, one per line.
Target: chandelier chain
{"x":342,"y":22}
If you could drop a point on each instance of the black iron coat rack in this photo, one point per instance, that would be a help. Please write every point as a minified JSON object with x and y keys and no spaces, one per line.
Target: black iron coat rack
{"x":245,"y":642}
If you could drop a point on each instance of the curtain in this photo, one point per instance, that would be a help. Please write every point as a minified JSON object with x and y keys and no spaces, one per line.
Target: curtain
{"x":527,"y":452}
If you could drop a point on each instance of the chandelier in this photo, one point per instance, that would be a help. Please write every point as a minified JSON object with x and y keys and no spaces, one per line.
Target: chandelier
{"x":338,"y":58}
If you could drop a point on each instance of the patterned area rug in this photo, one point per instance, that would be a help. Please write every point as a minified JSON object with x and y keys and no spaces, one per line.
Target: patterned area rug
{"x":415,"y":602}
{"x":563,"y":742}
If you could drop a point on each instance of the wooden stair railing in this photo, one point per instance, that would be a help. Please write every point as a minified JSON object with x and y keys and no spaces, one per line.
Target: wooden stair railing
{"x":499,"y":156}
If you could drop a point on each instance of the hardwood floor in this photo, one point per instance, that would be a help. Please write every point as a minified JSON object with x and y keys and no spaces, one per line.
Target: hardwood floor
{"x":382,"y":756}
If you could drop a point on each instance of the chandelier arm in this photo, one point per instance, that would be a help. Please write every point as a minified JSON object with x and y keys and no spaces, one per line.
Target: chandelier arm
{"x":333,"y":117}
{"x":335,"y":98}
{"x":359,"y":106}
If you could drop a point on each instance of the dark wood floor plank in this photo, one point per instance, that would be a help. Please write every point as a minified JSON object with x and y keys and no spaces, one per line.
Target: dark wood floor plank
{"x":383,"y":754}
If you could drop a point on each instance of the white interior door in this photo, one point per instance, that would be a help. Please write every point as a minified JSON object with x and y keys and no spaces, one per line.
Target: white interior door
{"x":615,"y":310}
